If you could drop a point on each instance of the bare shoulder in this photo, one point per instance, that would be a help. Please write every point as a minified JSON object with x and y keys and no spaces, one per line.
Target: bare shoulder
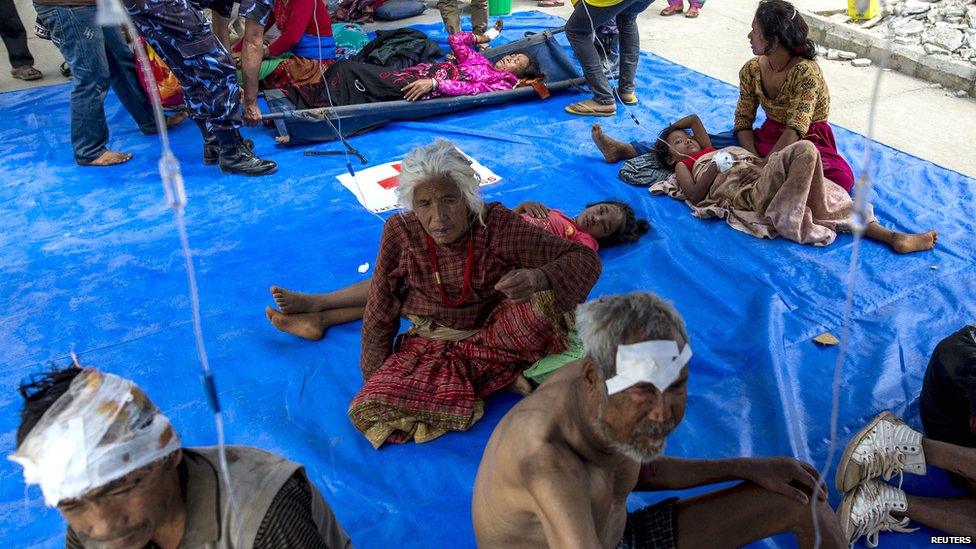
{"x":534,"y":425}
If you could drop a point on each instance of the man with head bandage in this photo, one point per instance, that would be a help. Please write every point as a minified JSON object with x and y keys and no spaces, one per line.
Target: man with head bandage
{"x":112,"y":464}
{"x":559,"y":467}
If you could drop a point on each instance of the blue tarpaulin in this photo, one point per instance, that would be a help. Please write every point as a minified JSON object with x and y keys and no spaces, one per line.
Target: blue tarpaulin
{"x":90,"y":262}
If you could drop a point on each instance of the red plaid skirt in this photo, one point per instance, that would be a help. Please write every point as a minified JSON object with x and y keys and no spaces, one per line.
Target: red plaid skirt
{"x":427,"y":388}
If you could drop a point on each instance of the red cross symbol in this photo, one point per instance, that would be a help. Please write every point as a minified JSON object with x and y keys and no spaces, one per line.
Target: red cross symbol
{"x":391,"y":182}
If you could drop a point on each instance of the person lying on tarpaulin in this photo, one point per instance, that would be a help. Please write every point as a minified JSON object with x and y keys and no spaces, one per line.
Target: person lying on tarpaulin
{"x":114,"y":467}
{"x":470,"y":73}
{"x":785,"y":194}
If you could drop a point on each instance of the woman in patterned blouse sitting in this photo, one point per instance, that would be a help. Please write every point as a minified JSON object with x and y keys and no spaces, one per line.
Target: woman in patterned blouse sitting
{"x":487,"y":295}
{"x":785,"y":79}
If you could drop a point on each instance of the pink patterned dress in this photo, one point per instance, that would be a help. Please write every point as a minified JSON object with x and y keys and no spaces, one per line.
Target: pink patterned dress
{"x":352,"y":82}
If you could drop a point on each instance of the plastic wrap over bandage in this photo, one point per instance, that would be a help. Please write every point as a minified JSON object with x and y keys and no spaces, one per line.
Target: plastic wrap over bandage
{"x":103,"y":428}
{"x":723,"y":161}
{"x":656,"y":362}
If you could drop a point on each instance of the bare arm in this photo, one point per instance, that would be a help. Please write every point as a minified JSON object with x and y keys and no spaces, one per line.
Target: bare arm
{"x":563,"y":507}
{"x":666,"y":473}
{"x":252,"y":54}
{"x":693,"y":123}
{"x":695,"y":190}
{"x":747,"y":140}
{"x":782,"y":475}
{"x":533,"y":208}
{"x":788,"y":137}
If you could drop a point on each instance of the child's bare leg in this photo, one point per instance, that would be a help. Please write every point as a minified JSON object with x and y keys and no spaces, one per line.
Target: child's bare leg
{"x":293,"y":302}
{"x":612,"y":150}
{"x":901,"y":243}
{"x":953,"y":516}
{"x":312,"y":326}
{"x":955,"y":459}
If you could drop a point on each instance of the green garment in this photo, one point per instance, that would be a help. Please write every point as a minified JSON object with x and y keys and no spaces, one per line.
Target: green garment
{"x":349,"y":36}
{"x":267,"y":67}
{"x":545,"y":366}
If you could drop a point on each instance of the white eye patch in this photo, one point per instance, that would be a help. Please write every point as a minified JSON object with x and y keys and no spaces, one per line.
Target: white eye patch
{"x":656,"y":362}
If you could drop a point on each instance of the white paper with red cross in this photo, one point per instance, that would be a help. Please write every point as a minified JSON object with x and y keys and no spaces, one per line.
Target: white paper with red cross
{"x":375,"y":187}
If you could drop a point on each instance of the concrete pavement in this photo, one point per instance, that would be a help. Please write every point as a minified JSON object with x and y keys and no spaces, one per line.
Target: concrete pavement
{"x":912,"y":116}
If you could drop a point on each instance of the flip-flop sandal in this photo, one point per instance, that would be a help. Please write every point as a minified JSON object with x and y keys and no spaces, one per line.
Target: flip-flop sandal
{"x":692,"y":13}
{"x":671,"y":10}
{"x":550,"y":3}
{"x":581,"y":109}
{"x":26,"y":73}
{"x":628,"y":98}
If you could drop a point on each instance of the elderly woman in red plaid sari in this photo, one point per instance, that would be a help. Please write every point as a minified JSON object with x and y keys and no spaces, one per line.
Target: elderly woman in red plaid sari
{"x":486,"y":292}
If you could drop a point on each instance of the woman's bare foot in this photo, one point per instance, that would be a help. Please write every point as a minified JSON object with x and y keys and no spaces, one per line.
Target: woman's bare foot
{"x":520,"y":386}
{"x":692,"y":12}
{"x":907,"y":243}
{"x":612,"y":150}
{"x":671,"y":10}
{"x":110,"y":158}
{"x":304,"y":325}
{"x":293,"y":302}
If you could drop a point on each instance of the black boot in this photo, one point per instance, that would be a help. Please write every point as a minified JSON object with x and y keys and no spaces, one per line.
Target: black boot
{"x":211,"y":146}
{"x":237,"y":157}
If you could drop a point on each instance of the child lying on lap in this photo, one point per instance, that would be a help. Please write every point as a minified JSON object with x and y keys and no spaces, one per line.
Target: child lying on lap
{"x":786,"y":191}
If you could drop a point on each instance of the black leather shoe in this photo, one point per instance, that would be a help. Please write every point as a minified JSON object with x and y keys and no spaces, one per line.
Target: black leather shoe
{"x":236,"y":157}
{"x":211,"y":149}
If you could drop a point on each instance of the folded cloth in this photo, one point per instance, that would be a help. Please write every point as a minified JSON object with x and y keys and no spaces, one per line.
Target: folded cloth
{"x":644,"y":170}
{"x":315,"y":47}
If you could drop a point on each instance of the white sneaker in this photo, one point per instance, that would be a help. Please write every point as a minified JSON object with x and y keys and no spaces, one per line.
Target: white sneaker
{"x":866,"y":511}
{"x":884,"y":447}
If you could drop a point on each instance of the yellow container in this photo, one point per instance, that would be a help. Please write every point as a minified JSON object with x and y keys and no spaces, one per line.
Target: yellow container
{"x":854,"y":8}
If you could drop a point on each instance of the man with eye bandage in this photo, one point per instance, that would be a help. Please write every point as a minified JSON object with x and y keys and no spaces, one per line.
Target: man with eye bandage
{"x":560,"y":465}
{"x":113,"y":465}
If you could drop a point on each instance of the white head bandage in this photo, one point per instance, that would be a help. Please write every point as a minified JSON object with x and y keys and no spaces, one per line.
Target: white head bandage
{"x":656,"y":362}
{"x":101,"y":429}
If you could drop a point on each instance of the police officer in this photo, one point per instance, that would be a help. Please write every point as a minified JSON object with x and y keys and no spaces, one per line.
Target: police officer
{"x":180,"y":34}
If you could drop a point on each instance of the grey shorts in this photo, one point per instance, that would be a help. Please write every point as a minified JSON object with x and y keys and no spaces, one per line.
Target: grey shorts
{"x":653,"y":526}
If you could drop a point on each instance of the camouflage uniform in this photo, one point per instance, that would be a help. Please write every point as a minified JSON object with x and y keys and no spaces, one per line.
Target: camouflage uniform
{"x":181,"y":35}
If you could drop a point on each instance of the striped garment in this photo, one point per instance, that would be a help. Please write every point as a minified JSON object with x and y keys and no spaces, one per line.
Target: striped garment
{"x":404,"y":285}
